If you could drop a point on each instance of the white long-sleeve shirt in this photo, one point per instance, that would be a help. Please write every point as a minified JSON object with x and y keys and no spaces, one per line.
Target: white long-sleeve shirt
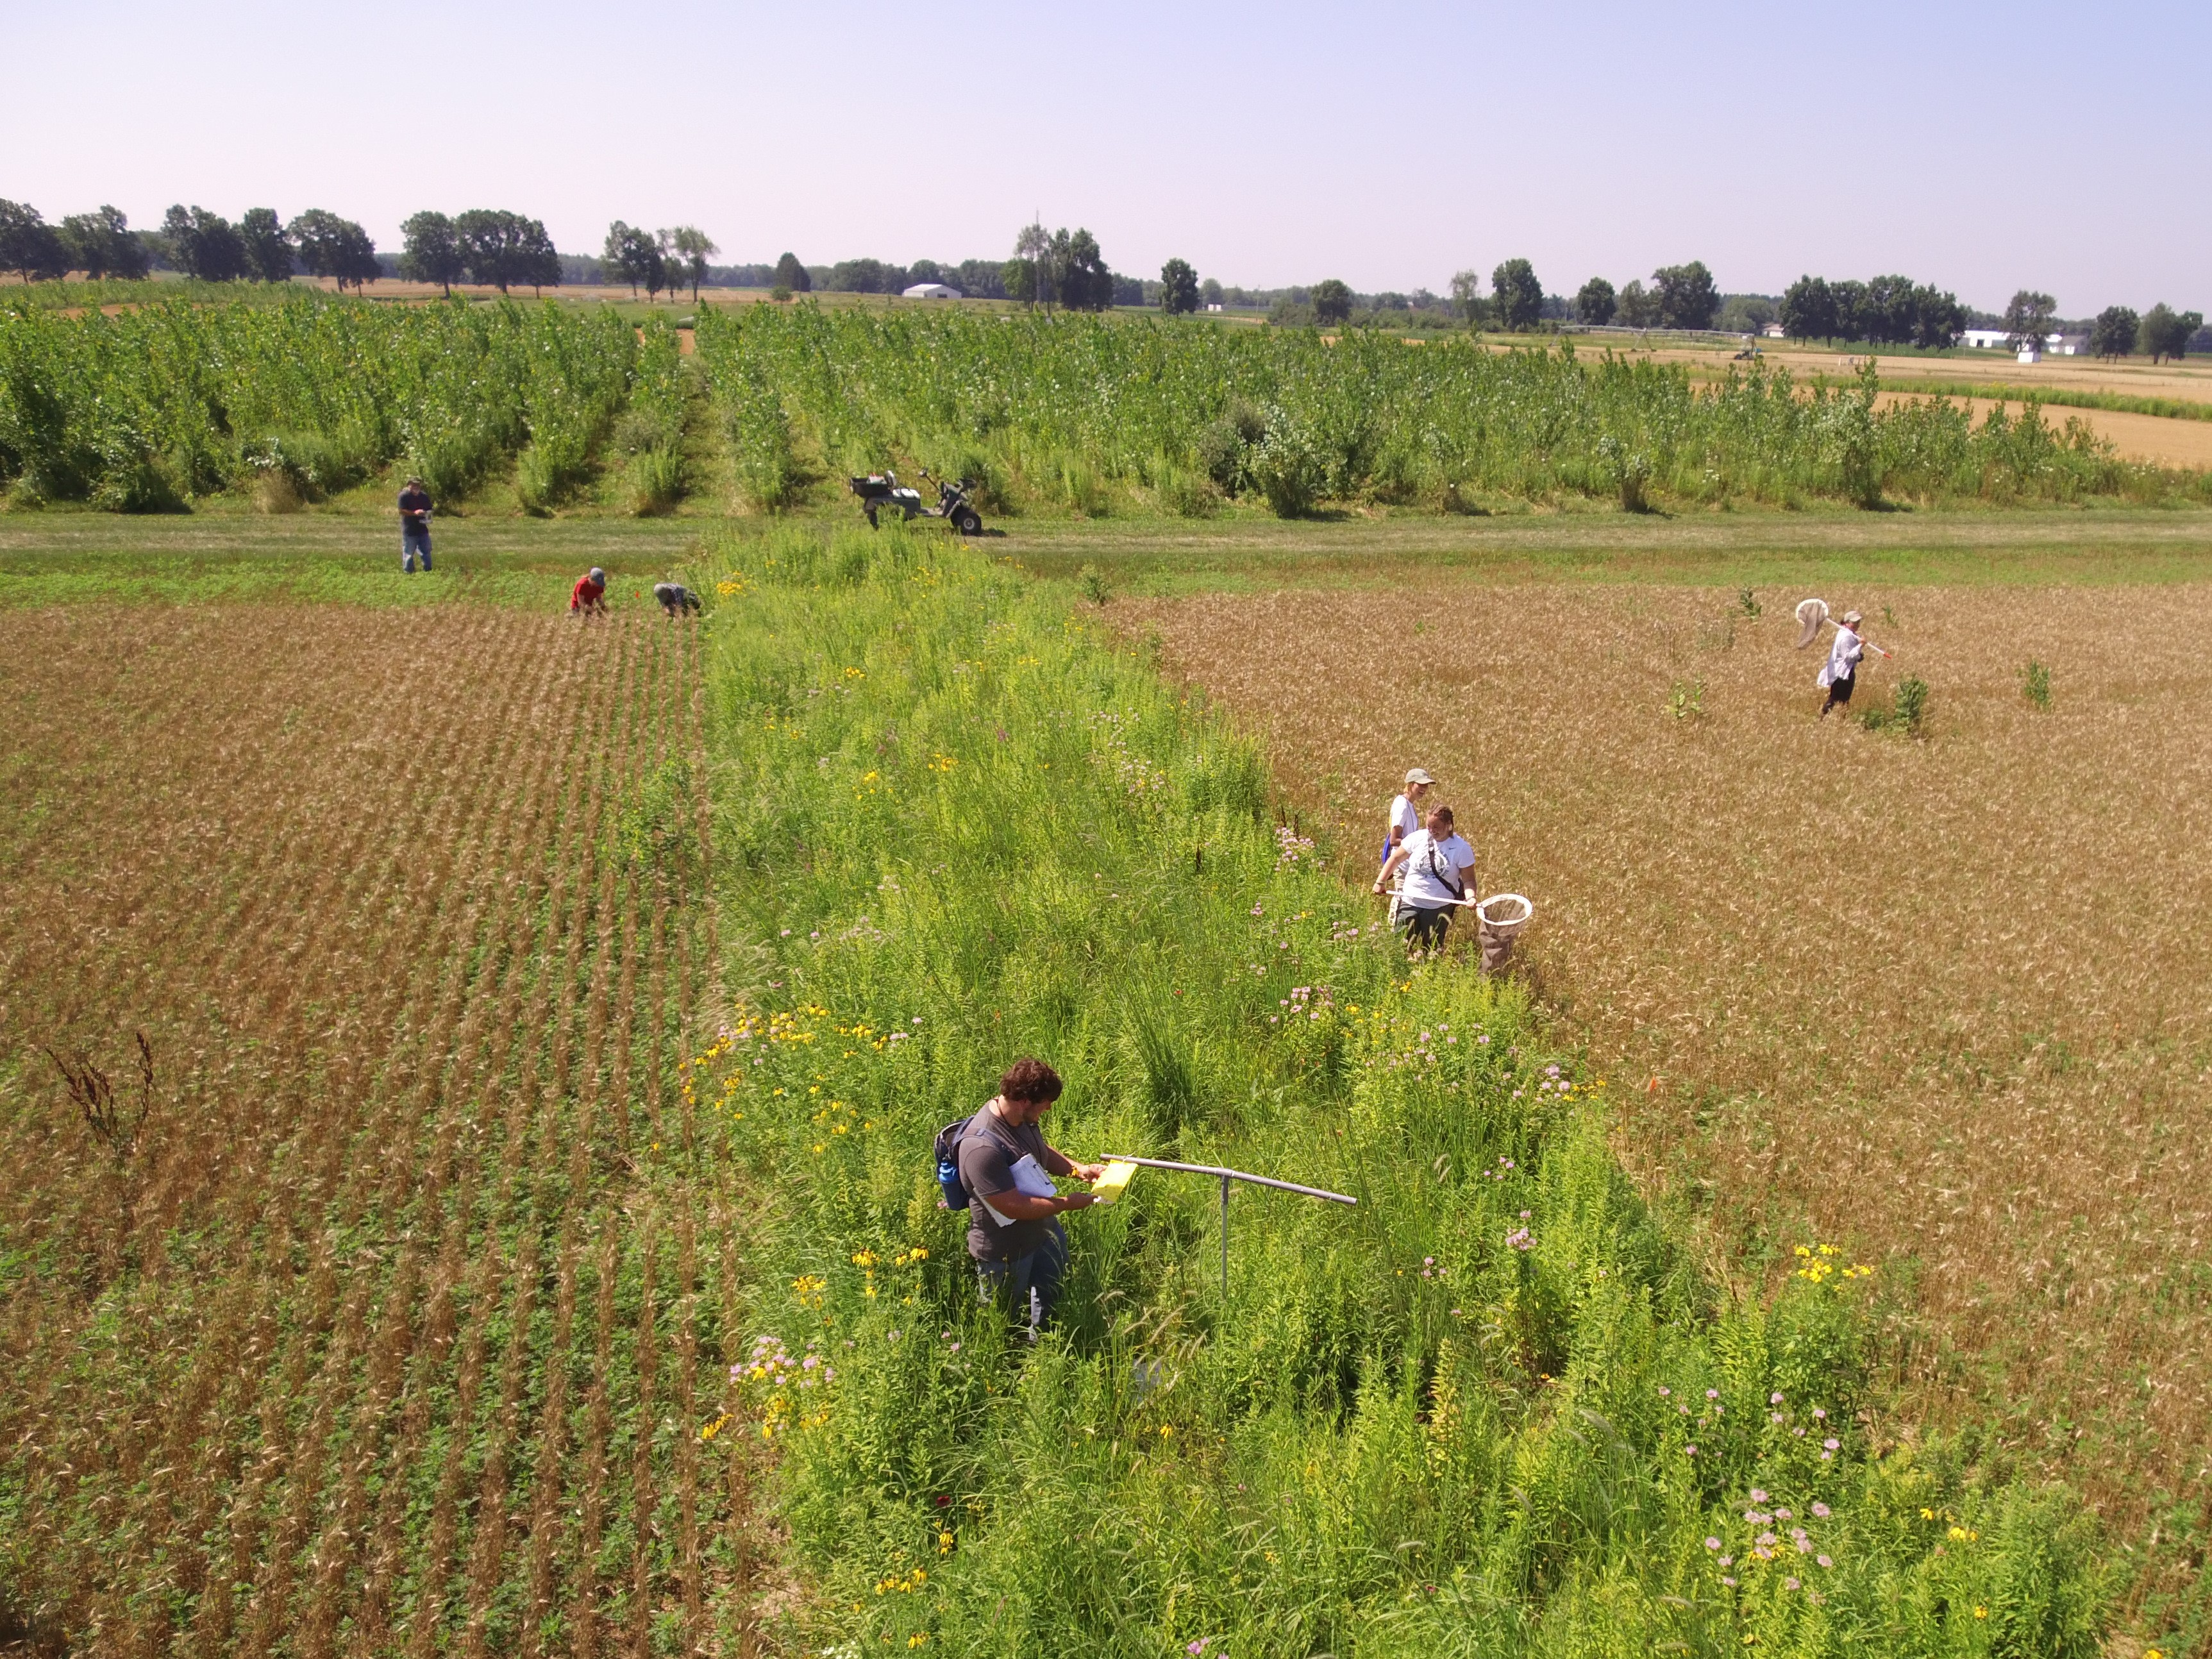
{"x":1843,"y":655}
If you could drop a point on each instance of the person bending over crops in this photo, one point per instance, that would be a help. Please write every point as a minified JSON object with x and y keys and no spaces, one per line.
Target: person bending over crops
{"x":1843,"y":662}
{"x":1013,"y":1229}
{"x":589,"y":594}
{"x":1439,"y":870}
{"x":414,"y":526}
{"x":675,"y":598}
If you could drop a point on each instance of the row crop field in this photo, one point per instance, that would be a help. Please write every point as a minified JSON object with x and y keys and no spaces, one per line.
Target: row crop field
{"x":154,"y":407}
{"x":366,"y":1278}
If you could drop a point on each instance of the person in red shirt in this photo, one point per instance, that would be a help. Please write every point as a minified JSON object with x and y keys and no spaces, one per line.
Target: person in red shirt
{"x":590,"y":593}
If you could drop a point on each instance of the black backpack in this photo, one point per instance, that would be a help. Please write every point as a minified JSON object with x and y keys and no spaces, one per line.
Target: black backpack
{"x":954,"y":1193}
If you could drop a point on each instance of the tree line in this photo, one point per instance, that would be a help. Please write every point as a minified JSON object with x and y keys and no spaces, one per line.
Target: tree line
{"x":259,"y":247}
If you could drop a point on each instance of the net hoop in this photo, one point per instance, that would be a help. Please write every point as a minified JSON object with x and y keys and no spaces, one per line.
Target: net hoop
{"x":1506,"y":924}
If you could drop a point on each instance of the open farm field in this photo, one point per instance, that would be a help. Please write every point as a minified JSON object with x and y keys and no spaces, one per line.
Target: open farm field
{"x":1942,"y":997}
{"x":367,"y":1278}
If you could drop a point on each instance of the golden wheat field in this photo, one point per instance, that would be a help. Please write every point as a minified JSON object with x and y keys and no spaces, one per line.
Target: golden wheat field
{"x":1948,"y":999}
{"x":361,"y":1290}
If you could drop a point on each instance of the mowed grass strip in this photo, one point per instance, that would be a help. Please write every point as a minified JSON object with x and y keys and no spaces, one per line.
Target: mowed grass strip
{"x":335,"y":1346}
{"x":1943,"y":997}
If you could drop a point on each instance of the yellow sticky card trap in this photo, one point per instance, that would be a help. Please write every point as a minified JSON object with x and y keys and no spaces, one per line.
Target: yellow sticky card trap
{"x":1110,"y":1186}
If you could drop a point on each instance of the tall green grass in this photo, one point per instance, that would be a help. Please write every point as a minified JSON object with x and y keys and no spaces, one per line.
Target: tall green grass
{"x":1495,"y":1409}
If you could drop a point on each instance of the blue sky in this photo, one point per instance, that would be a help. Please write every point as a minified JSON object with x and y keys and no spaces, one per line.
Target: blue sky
{"x":1981,"y":147}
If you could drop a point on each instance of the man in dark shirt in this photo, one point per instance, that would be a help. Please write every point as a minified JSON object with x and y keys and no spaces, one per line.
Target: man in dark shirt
{"x":414,"y":526}
{"x":1013,"y":1230}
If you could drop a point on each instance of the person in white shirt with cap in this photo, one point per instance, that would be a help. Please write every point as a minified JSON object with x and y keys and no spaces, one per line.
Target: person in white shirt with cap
{"x":1843,"y":665}
{"x":1405,"y":820}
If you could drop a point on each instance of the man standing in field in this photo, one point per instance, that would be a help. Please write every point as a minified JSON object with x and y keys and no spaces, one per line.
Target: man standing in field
{"x":1843,"y":665}
{"x":589,"y":594}
{"x":1014,"y":1233}
{"x":414,"y":526}
{"x":1439,"y":871}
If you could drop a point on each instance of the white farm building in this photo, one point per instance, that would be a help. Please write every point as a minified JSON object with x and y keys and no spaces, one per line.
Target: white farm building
{"x":1993,"y":339}
{"x":929,"y":291}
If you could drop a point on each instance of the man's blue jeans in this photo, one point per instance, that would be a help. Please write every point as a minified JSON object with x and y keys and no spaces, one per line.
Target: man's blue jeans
{"x":1029,"y":1286}
{"x":412,"y":542}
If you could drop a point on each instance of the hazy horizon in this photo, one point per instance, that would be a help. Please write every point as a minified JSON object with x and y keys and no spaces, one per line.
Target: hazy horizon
{"x":1390,"y":148}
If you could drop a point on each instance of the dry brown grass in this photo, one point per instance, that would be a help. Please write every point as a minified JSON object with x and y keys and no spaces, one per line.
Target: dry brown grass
{"x":340,"y":1350}
{"x":1946,"y":998}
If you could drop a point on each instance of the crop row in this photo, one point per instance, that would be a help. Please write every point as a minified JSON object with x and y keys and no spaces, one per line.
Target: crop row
{"x":1073,"y":411}
{"x":391,"y":1326}
{"x":142,"y":411}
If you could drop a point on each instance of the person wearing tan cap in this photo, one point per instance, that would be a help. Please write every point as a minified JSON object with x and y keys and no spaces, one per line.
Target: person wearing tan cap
{"x":1406,"y":816}
{"x":1843,"y":665}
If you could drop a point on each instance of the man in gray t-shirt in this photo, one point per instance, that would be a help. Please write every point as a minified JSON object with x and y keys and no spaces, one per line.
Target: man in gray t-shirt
{"x":1006,"y":1165}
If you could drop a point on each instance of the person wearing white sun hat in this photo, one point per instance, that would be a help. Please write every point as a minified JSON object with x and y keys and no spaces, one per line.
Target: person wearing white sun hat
{"x":1843,"y":665}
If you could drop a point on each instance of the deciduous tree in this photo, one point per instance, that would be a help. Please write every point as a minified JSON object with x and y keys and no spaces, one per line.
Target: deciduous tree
{"x":1209,"y":292}
{"x":1332,"y":301}
{"x":1686,"y":296}
{"x":1809,"y":310}
{"x":205,"y":245}
{"x":1032,"y":248}
{"x":504,"y":249}
{"x":1594,"y":302}
{"x":2113,"y":333}
{"x":431,"y":251}
{"x":1938,"y":319}
{"x":1639,"y":308}
{"x":337,"y":248}
{"x":268,"y":247}
{"x":1178,"y":287}
{"x":1466,"y":301}
{"x":2165,"y":332}
{"x":29,"y":246}
{"x":1516,"y":295}
{"x":103,"y":244}
{"x":693,"y":247}
{"x":2027,"y":321}
{"x":790,"y":274}
{"x":632,"y":255}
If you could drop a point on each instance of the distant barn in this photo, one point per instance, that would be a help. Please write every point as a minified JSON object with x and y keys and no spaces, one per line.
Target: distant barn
{"x":929,"y":291}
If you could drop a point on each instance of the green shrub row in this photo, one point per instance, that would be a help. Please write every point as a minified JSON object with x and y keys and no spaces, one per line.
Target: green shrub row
{"x":1073,"y":412}
{"x":142,"y":411}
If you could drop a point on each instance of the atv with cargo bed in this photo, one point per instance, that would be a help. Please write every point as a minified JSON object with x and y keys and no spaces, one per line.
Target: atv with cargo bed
{"x":882,"y":492}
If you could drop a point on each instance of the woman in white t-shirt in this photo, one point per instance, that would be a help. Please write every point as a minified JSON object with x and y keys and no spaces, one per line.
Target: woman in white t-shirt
{"x":1439,"y":870}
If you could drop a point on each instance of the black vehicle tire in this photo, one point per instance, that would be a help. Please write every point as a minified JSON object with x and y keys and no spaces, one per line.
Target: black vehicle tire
{"x":967,"y":522}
